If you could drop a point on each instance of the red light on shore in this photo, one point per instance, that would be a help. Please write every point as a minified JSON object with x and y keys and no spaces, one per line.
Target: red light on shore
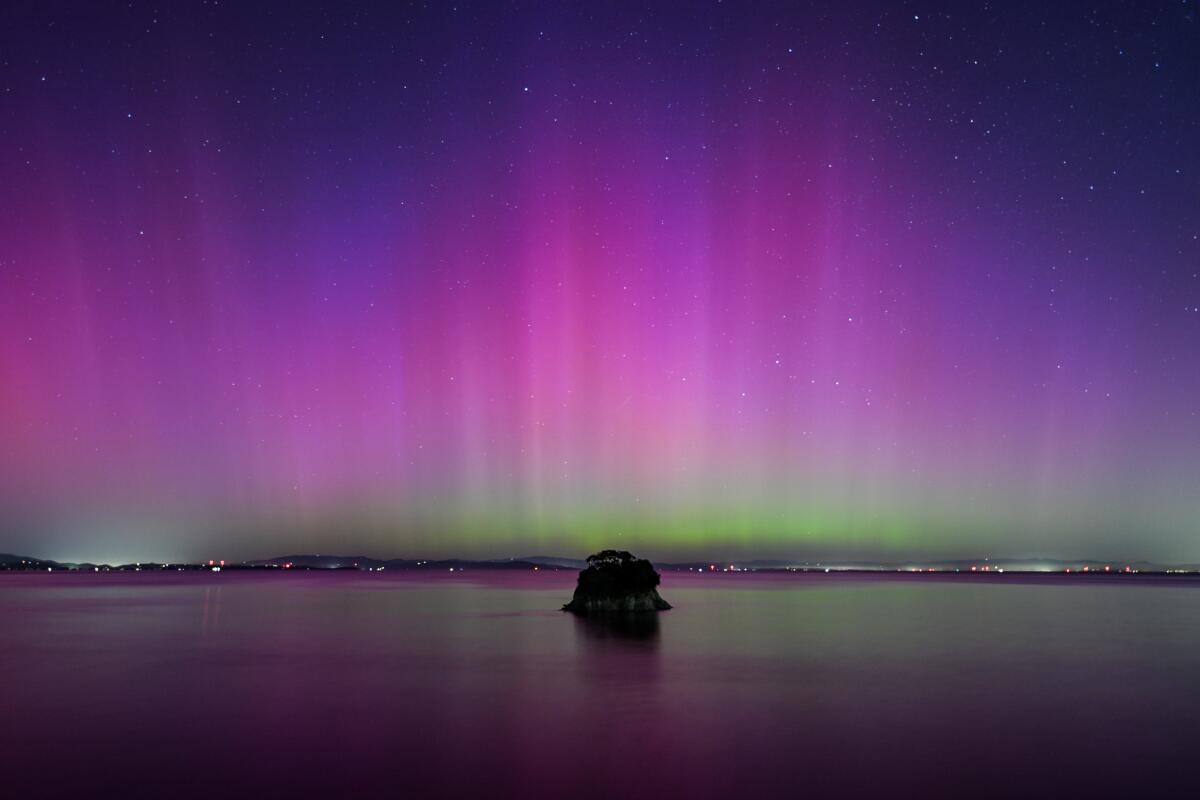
{"x":210,"y":562}
{"x":972,"y":568}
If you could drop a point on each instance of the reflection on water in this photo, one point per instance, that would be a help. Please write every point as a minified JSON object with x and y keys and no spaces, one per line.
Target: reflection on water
{"x":350,"y":684}
{"x":633,"y":630}
{"x":619,"y":661}
{"x":210,"y":609}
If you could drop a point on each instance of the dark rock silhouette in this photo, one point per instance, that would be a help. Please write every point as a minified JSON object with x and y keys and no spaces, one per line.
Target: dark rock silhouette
{"x":615,"y":582}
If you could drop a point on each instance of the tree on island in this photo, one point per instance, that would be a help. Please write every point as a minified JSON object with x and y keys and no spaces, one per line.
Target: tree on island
{"x":615,"y":581}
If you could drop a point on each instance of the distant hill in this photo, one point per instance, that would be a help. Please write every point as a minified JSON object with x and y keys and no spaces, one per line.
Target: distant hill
{"x":9,"y":561}
{"x":526,"y":562}
{"x":555,"y":561}
{"x":315,"y":561}
{"x":318,"y":561}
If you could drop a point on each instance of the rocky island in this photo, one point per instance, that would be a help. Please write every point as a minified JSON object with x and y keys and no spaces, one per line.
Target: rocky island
{"x":614,"y":581}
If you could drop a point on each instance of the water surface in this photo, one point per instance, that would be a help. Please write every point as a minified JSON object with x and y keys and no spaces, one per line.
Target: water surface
{"x":186,"y":684}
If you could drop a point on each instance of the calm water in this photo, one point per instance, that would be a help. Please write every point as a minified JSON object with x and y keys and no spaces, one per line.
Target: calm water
{"x":348,"y":684}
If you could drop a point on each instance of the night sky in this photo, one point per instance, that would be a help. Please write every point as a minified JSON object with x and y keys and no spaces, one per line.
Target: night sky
{"x":490,"y":279}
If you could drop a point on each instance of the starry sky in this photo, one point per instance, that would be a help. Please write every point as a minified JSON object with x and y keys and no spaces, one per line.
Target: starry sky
{"x":489,"y":279}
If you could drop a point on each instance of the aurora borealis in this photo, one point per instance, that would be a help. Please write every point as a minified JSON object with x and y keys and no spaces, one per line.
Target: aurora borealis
{"x":487,"y":279}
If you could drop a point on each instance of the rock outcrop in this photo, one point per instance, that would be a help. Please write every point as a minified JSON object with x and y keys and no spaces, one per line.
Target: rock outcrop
{"x":615,"y":582}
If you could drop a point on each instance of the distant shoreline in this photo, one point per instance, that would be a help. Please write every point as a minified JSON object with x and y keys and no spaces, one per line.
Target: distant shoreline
{"x":334,"y":562}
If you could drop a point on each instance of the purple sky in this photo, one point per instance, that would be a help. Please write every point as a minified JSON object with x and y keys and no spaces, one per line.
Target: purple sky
{"x":741,"y":278}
